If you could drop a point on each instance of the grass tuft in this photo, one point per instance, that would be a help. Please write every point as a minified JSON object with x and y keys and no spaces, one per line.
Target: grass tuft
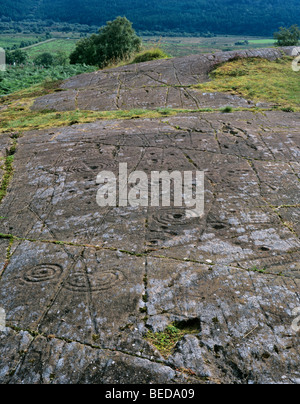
{"x":150,"y":54}
{"x":227,"y":110}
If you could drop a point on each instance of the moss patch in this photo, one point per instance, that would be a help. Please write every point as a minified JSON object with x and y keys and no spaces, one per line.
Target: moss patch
{"x":258,"y":80}
{"x":19,"y":117}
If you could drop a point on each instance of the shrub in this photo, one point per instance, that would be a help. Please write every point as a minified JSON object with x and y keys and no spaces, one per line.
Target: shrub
{"x":17,"y":57}
{"x":148,"y":55}
{"x":45,"y":59}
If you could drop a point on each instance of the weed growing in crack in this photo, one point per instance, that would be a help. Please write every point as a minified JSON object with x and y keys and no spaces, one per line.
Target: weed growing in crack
{"x":258,"y":270}
{"x":167,"y":340}
{"x":8,"y":169}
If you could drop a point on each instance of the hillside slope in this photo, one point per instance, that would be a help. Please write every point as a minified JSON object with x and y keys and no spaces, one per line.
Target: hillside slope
{"x":257,"y":17}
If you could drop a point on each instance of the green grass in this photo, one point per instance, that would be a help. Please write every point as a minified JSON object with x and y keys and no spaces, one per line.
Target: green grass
{"x":17,"y":116}
{"x":166,"y":341}
{"x":262,"y":42}
{"x":150,"y":54}
{"x":258,"y":80}
{"x":8,"y":41}
{"x":227,"y":110}
{"x":8,"y":169}
{"x":259,"y":270}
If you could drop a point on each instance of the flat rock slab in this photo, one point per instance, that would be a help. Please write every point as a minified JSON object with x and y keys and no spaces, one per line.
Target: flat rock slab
{"x":43,"y":360}
{"x":81,"y":285}
{"x":150,"y":85}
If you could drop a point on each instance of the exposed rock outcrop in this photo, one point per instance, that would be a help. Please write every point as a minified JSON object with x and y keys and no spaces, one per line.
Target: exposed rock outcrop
{"x":81,"y":285}
{"x":157,"y":84}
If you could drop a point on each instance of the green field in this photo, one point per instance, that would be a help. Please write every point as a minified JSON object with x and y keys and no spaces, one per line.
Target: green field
{"x":182,"y":46}
{"x":59,"y":42}
{"x":270,"y":42}
{"x":8,"y":41}
{"x":173,"y":46}
{"x":53,"y":46}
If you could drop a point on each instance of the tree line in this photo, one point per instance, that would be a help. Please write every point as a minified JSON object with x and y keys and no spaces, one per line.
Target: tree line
{"x":117,"y":41}
{"x":224,"y":17}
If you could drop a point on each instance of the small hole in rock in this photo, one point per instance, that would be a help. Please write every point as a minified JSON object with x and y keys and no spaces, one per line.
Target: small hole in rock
{"x":219,"y":226}
{"x":191,"y":325}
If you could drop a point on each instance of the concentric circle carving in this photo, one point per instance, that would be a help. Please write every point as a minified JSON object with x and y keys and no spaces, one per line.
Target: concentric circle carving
{"x":42,"y":273}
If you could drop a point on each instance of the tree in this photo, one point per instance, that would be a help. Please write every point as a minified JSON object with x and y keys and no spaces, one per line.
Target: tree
{"x":115,"y":42}
{"x":44,"y":59}
{"x":17,"y":57}
{"x":85,"y":52}
{"x":288,"y":36}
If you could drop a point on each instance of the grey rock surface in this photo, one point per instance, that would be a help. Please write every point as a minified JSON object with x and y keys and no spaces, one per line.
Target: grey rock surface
{"x":149,"y":85}
{"x":81,"y":285}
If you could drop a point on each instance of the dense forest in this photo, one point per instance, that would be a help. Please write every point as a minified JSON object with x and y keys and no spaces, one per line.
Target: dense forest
{"x":246,"y":17}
